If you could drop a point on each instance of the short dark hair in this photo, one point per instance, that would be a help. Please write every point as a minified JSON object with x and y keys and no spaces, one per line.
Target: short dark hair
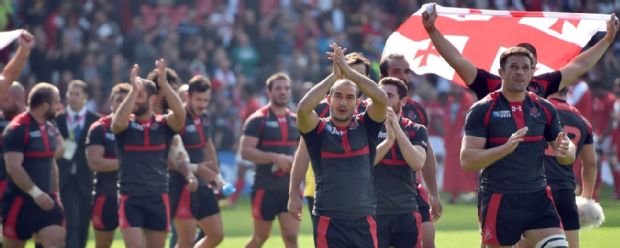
{"x":356,"y":58}
{"x":529,"y":47}
{"x":150,"y":87}
{"x":515,"y":51}
{"x":400,"y":85}
{"x":384,"y":64}
{"x":79,"y":83}
{"x":121,"y":88}
{"x":198,"y":83}
{"x":274,"y":77}
{"x":40,"y":94}
{"x":171,"y":75}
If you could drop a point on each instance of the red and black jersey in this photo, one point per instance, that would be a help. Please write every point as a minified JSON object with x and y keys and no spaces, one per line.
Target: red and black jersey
{"x":495,"y":119}
{"x":38,"y":144}
{"x":195,"y":135}
{"x":342,"y":161}
{"x":4,"y":122}
{"x":542,"y":85}
{"x":100,"y":133}
{"x":579,"y":131}
{"x":322,"y":110}
{"x":275,"y":133}
{"x":395,"y":192}
{"x":415,"y":112}
{"x":142,"y":153}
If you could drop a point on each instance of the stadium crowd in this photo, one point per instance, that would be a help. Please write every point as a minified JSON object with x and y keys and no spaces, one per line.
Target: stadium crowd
{"x":227,"y":51}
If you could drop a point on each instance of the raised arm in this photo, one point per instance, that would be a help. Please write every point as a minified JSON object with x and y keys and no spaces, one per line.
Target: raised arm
{"x":177,"y":118}
{"x":466,"y":70}
{"x":376,"y":110}
{"x":12,"y":70}
{"x":120,"y":118}
{"x":587,"y":59}
{"x":307,"y":119}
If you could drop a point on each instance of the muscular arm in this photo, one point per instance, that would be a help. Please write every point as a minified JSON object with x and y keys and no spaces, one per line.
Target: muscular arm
{"x":587,"y":59}
{"x":14,"y":167}
{"x":588,"y":170}
{"x":120,"y":118}
{"x":382,"y":149}
{"x":96,"y":160}
{"x":475,"y":157}
{"x":12,"y":69}
{"x":177,"y":118}
{"x":414,"y":155}
{"x":299,"y":168}
{"x":307,"y":119}
{"x":251,"y":153}
{"x":466,"y":70}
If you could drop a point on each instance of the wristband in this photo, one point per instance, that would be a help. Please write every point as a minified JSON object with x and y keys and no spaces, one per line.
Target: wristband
{"x":35,"y":192}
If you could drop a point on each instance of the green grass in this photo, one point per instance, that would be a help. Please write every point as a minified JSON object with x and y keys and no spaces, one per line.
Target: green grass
{"x":458,"y":227}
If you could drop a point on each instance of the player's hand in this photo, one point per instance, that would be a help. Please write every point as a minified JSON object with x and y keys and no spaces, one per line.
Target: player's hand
{"x":205,"y":172}
{"x":428,"y":20}
{"x":26,"y":40}
{"x":394,"y":120}
{"x":337,"y":56}
{"x":436,"y":207}
{"x":561,"y":145}
{"x":44,"y":201}
{"x":192,"y":183}
{"x":336,"y":71}
{"x":161,"y":66}
{"x":516,"y":138}
{"x":391,"y":135}
{"x":134,"y":79}
{"x":612,"y":27}
{"x":219,"y":183}
{"x":284,"y":162}
{"x":294,"y":206}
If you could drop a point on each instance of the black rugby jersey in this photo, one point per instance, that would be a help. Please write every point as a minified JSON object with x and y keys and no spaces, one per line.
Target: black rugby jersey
{"x":495,"y":119}
{"x":542,"y":85}
{"x":100,"y":133}
{"x":38,"y":144}
{"x":342,"y":161}
{"x":395,"y":192}
{"x":579,"y":131}
{"x":276,"y":134}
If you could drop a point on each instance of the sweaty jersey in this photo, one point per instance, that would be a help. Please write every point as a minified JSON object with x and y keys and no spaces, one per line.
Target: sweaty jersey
{"x":395,"y":192}
{"x":579,"y":131}
{"x":342,"y":159}
{"x":38,"y":144}
{"x":495,"y":119}
{"x":322,"y":110}
{"x":100,"y":133}
{"x":195,"y":134}
{"x":142,"y":153}
{"x":277,"y":134}
{"x":542,"y":85}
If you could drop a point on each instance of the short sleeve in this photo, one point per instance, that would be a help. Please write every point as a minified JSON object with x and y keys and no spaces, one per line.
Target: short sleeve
{"x":252,"y":126}
{"x":418,"y":135}
{"x":96,"y":135}
{"x":555,"y":126}
{"x":474,"y":122}
{"x":14,"y":138}
{"x":481,"y":85}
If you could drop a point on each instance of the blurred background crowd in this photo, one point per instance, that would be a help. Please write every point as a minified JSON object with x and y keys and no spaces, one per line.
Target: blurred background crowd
{"x":238,"y":43}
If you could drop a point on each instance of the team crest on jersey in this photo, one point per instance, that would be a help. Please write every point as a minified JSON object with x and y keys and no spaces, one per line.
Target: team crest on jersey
{"x":412,"y":116}
{"x":532,"y":88}
{"x":501,"y":114}
{"x":534,"y":112}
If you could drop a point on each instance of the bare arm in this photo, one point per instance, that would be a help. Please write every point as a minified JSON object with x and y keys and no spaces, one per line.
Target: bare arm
{"x":96,"y":160}
{"x":299,"y":168}
{"x":414,"y":155}
{"x":429,"y":175}
{"x":475,"y":157}
{"x":377,"y":109}
{"x":12,"y":70}
{"x":177,"y":118}
{"x":55,"y":180}
{"x":211,"y":155}
{"x":15,"y":169}
{"x":60,"y":145}
{"x":465,"y":68}
{"x":587,"y":59}
{"x":386,"y":145}
{"x":120,"y":118}
{"x":588,"y":170}
{"x":251,"y":153}
{"x":307,"y":119}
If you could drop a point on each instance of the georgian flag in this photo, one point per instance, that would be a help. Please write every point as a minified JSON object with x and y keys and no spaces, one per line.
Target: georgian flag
{"x":9,"y":36}
{"x":482,"y":35}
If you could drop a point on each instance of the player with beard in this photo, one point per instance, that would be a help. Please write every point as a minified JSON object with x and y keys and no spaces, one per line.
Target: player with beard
{"x":142,"y":143}
{"x":342,"y":150}
{"x":404,"y":152}
{"x":14,"y":67}
{"x":198,"y":208}
{"x":101,"y":156}
{"x":483,"y":82}
{"x":506,"y":134}
{"x":429,"y":203}
{"x":269,"y":140}
{"x":31,"y":204}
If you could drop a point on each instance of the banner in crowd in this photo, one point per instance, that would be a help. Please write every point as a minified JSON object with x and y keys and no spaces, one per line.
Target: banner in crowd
{"x":482,"y":35}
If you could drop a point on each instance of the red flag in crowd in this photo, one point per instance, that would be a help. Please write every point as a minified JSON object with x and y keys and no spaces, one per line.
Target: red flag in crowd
{"x":482,"y":35}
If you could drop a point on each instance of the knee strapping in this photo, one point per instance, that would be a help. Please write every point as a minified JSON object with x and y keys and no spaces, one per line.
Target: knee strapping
{"x":553,"y":241}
